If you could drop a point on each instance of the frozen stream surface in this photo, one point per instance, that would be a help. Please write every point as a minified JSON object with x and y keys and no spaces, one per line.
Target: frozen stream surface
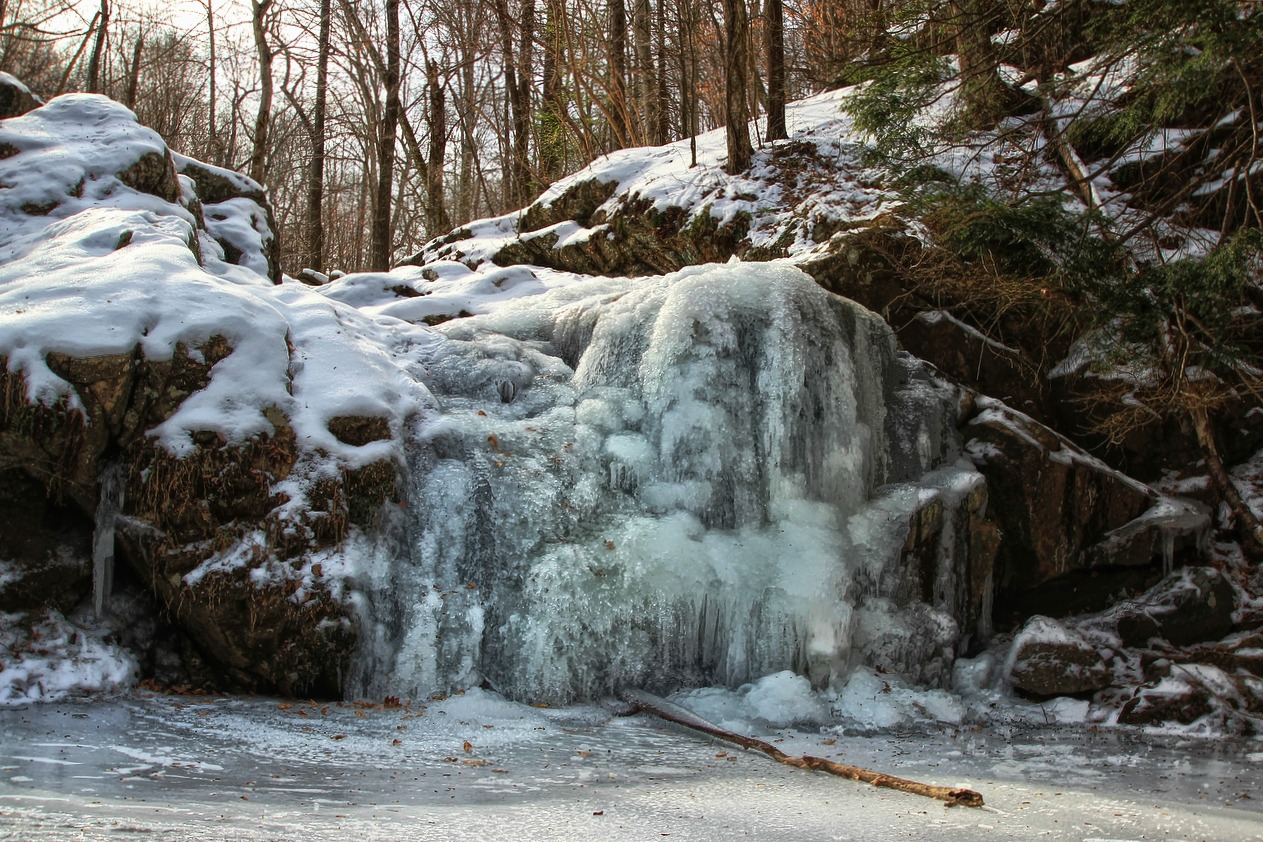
{"x":477,"y":767}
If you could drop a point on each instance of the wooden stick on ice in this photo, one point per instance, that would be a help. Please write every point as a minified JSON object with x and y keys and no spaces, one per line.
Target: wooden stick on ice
{"x":672,"y":712}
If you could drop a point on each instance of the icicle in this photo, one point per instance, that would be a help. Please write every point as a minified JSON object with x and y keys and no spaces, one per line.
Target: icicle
{"x":1168,"y":550}
{"x":109,"y":504}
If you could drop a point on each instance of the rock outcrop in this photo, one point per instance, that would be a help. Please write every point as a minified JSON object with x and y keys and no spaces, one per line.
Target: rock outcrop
{"x":235,"y":521}
{"x":1074,"y":531}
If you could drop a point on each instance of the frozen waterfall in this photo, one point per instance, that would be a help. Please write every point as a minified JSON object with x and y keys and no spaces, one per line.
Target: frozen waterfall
{"x":700,"y":478}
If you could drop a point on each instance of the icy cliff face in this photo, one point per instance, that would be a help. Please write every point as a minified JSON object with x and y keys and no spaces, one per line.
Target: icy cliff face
{"x":660,"y":482}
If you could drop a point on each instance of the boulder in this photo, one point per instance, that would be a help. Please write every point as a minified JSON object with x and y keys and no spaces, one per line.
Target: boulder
{"x":578,"y":202}
{"x":1047,"y":659}
{"x":940,"y":591}
{"x":153,"y":173}
{"x":15,"y":98}
{"x":935,"y":317}
{"x":635,"y":238}
{"x":1074,"y":530}
{"x":1187,"y":693}
{"x":961,"y":519}
{"x":968,"y":356}
{"x":225,"y":195}
{"x":1192,"y":605}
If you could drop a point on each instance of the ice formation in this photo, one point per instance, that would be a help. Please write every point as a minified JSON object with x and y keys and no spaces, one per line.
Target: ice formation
{"x":700,"y":478}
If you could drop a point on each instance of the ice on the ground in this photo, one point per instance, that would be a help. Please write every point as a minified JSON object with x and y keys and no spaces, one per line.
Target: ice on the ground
{"x":46,"y":658}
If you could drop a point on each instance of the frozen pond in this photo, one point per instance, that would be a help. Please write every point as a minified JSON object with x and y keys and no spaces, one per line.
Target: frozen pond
{"x":478,"y":767}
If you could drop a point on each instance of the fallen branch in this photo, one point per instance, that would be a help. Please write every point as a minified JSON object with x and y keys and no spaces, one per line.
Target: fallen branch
{"x":672,"y":712}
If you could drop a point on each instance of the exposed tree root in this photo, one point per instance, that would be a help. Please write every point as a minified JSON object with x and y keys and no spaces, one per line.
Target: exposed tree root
{"x":671,"y":712}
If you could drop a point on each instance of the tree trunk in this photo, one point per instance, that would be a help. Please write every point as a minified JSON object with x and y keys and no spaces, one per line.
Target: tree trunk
{"x":315,"y":226}
{"x":982,"y":94}
{"x":552,"y":125}
{"x":98,"y":49}
{"x":262,"y":121}
{"x":646,"y":88}
{"x":1248,"y":527}
{"x":661,"y":105}
{"x":736,"y":62}
{"x":775,"y":30}
{"x":624,"y":134}
{"x":522,"y":103}
{"x":468,"y":109}
{"x":212,"y":131}
{"x":133,"y":75}
{"x":380,"y":250}
{"x":515,"y":170}
{"x":436,"y":221}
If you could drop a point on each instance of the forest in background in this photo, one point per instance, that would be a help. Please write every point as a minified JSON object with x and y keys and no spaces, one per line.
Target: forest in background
{"x":379,"y":125}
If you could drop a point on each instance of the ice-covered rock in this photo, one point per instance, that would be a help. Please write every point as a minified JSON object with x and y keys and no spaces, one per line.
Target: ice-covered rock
{"x":1048,"y":659}
{"x":1197,"y":695}
{"x":1192,"y":605}
{"x":1075,"y":531}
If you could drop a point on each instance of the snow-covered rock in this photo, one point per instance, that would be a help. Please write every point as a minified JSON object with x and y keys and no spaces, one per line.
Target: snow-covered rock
{"x":1192,"y":605}
{"x":1047,"y":659}
{"x":260,"y":426}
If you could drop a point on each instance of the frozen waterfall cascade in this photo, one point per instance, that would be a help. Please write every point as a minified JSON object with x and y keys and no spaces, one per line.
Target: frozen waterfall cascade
{"x":695,"y":479}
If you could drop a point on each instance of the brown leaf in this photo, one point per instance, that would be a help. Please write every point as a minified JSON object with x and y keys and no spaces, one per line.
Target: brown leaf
{"x":468,"y":746}
{"x":339,"y":736}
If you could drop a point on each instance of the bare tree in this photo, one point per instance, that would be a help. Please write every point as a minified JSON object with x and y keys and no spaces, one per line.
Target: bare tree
{"x":646,"y":84}
{"x":381,"y":248}
{"x":133,"y":73}
{"x":736,"y":85}
{"x":623,"y":124}
{"x":775,"y":45}
{"x":259,"y":24}
{"x":436,"y":220}
{"x":98,"y":48}
{"x":315,"y":230}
